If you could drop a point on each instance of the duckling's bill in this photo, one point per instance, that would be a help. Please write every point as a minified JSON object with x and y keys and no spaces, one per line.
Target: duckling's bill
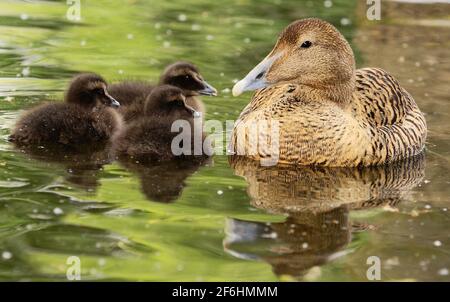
{"x":255,"y":79}
{"x":208,"y":89}
{"x":112,"y":101}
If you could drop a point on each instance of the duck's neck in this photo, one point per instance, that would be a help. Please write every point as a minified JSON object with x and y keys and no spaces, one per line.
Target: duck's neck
{"x":339,"y":93}
{"x":81,"y":100}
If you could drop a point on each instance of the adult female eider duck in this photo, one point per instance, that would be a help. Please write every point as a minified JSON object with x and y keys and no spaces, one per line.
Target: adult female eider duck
{"x":84,"y":118}
{"x":328,"y":113}
{"x":149,"y":138}
{"x":183,"y":75}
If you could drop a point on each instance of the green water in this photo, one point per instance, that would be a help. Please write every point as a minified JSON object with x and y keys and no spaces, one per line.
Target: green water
{"x":218,"y":221}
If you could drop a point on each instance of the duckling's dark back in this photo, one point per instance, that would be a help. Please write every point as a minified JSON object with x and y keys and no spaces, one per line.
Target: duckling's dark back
{"x":146,"y":141}
{"x":128,"y":92}
{"x":63,"y":123}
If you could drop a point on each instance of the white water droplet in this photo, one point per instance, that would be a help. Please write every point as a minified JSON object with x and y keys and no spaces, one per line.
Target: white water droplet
{"x":443,"y":272}
{"x":272,"y":235}
{"x":58,"y":211}
{"x":6,"y":255}
{"x":345,"y":21}
{"x":437,"y":243}
{"x":26,"y":71}
{"x":196,"y":27}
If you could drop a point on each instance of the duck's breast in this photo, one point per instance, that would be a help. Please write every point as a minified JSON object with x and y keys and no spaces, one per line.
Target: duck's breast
{"x":310,"y":132}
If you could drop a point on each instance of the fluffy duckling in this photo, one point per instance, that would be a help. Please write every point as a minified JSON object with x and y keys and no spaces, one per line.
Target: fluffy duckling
{"x":329,"y":113}
{"x":84,"y":117}
{"x":183,"y":75}
{"x":149,"y":138}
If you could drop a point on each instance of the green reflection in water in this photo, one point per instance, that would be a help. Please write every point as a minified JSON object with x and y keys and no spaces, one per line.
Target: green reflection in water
{"x":204,"y":222}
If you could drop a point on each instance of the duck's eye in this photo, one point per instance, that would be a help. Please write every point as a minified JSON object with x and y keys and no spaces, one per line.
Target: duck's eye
{"x":99,"y":91}
{"x":306,"y":44}
{"x":178,"y":103}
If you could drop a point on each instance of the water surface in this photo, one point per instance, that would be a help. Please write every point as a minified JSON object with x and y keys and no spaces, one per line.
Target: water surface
{"x":224,"y":219}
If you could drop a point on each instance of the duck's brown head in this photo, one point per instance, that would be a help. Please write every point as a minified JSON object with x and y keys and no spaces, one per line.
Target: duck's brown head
{"x":167,"y":100}
{"x":89,"y":90}
{"x":309,"y":52}
{"x":186,"y":76}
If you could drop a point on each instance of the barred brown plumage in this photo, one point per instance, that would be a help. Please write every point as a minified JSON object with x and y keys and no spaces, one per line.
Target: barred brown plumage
{"x":329,"y":113}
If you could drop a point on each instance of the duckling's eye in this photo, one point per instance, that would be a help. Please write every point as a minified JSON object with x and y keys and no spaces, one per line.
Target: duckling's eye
{"x":306,"y":44}
{"x":178,"y":103}
{"x":99,"y":91}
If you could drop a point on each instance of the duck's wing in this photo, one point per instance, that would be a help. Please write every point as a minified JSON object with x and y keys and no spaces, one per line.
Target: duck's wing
{"x":133,"y":110}
{"x":382,"y":100}
{"x":397,"y":126}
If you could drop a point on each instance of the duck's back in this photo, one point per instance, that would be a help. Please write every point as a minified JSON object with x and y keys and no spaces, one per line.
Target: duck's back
{"x":145,"y":140}
{"x":63,"y":123}
{"x":133,"y":110}
{"x":150,"y":138}
{"x":127,"y":92}
{"x":396,"y":126}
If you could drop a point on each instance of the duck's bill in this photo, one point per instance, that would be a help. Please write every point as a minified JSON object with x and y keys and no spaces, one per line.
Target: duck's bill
{"x":255,"y":79}
{"x":208,"y":90}
{"x":112,"y":102}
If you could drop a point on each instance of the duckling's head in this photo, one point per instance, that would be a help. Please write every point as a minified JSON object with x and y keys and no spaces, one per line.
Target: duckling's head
{"x":187,"y":77}
{"x":308,"y":52}
{"x":89,"y":90}
{"x":167,"y":100}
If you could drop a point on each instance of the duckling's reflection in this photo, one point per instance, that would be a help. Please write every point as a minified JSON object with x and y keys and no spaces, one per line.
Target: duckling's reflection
{"x":164,"y":181}
{"x":82,"y":164}
{"x":317,"y":202}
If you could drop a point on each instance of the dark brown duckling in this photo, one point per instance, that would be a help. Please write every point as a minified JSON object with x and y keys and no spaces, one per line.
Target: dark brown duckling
{"x":149,"y":137}
{"x":184,"y":75}
{"x":84,"y":117}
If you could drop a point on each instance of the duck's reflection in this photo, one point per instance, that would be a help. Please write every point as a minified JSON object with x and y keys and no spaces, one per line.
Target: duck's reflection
{"x":164,"y":181}
{"x":82,"y":165}
{"x":317,"y":202}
